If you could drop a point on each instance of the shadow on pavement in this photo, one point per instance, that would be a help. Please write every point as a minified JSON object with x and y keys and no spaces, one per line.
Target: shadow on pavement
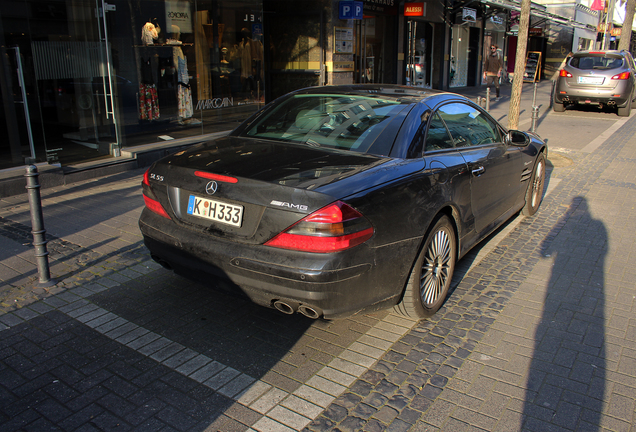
{"x":566,"y":381}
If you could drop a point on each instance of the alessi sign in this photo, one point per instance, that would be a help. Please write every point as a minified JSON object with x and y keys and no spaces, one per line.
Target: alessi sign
{"x":414,"y":9}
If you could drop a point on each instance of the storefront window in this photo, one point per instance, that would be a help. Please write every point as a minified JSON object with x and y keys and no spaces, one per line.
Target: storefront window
{"x":465,"y":43}
{"x":459,"y":56}
{"x":198,"y":65}
{"x":139,"y":72}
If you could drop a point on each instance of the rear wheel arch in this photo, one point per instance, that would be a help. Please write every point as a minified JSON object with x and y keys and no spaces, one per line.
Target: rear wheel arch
{"x":409,"y":304}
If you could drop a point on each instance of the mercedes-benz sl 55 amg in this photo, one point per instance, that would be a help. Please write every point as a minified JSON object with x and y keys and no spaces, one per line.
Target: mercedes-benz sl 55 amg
{"x":335,"y":200}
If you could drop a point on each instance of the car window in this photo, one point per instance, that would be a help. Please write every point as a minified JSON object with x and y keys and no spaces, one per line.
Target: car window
{"x":348,"y":122}
{"x":437,"y":137}
{"x":599,"y":62}
{"x":468,"y":126}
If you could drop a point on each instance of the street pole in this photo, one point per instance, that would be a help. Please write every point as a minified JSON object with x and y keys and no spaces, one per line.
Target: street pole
{"x":37,"y":227}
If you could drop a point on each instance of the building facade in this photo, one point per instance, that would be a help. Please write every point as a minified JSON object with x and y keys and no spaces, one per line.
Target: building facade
{"x":85,"y":80}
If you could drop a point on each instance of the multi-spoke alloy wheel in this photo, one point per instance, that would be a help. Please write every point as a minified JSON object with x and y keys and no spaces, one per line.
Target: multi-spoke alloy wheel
{"x":432,"y":272}
{"x":534,"y":194}
{"x":436,"y":268}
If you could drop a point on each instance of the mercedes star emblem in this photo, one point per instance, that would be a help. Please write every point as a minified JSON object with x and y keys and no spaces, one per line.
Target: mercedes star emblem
{"x":211,"y":188}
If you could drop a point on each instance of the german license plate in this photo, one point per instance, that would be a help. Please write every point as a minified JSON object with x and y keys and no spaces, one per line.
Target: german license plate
{"x":590,"y":80}
{"x":217,"y":211}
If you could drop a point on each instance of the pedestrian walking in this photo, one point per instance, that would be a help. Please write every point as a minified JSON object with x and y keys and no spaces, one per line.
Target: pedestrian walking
{"x":493,"y":65}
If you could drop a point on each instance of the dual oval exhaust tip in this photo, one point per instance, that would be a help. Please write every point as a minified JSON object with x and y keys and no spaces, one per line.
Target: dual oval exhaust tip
{"x":291,"y":307}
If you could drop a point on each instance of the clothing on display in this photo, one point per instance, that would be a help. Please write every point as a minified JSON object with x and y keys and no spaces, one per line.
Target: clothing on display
{"x":184,"y":92}
{"x":148,"y":98}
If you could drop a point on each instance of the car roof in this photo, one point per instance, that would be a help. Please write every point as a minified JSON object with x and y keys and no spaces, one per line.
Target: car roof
{"x":603,"y":52}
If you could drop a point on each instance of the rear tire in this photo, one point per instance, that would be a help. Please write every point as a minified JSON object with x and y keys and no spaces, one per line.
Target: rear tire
{"x":432,"y":272}
{"x":534,"y":193}
{"x":626,"y":111}
{"x":558,"y":107}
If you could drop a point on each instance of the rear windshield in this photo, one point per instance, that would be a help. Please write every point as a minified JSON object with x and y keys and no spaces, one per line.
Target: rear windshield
{"x":596,"y":62}
{"x":347,"y":122}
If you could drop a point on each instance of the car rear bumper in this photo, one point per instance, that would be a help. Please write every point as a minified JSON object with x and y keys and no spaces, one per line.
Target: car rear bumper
{"x":618,"y":95}
{"x":335,"y":285}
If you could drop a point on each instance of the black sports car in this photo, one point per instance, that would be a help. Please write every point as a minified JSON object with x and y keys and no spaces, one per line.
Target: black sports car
{"x":335,"y":200}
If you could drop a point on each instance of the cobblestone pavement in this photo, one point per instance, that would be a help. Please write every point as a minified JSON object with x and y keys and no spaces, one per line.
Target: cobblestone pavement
{"x":539,"y":333}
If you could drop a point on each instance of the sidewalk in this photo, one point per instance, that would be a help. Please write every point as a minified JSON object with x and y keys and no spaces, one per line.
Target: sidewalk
{"x":539,"y":333}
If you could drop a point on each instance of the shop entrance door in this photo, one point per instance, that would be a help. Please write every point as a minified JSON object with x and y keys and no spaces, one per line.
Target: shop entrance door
{"x":369,"y":64}
{"x":419,"y":69}
{"x":72,"y":69}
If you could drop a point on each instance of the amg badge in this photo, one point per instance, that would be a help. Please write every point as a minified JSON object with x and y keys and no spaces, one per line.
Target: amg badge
{"x":300,"y":207}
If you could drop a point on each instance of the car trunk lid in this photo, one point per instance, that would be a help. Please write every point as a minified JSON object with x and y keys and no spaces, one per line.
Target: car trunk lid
{"x":260,"y":187}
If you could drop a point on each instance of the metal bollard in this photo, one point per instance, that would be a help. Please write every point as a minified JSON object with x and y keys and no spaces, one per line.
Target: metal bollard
{"x":37,"y":227}
{"x":487,"y":99}
{"x":535,"y":117}
{"x":535,"y":110}
{"x":479,"y":101}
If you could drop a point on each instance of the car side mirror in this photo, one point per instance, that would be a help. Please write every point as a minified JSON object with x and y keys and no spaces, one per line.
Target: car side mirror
{"x":517,"y":138}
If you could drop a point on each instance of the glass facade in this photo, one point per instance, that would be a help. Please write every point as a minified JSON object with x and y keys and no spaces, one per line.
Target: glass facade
{"x":100,"y":77}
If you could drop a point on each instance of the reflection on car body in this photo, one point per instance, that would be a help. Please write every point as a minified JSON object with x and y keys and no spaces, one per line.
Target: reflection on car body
{"x":343,"y":199}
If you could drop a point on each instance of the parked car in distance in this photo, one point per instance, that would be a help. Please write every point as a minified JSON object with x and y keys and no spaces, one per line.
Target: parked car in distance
{"x":601,"y":78}
{"x":340,"y":199}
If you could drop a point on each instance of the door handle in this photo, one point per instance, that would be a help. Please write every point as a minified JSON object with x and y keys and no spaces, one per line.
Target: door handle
{"x":478,"y":171}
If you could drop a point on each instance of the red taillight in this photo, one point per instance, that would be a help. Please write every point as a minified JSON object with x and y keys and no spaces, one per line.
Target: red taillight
{"x":149,"y":197}
{"x":217,"y":177}
{"x":331,"y":229}
{"x":565,"y":74}
{"x":156,"y":207}
{"x":621,"y":76}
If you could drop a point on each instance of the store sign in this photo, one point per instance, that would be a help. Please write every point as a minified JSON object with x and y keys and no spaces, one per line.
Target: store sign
{"x":469,"y":14}
{"x":215,"y":103}
{"x":178,"y":14}
{"x":343,"y":66}
{"x":350,"y":10}
{"x":535,"y":31}
{"x":415,"y":9}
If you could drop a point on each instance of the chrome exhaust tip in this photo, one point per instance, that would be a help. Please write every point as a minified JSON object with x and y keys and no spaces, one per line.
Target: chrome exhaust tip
{"x":309,"y":312}
{"x":286,"y":308}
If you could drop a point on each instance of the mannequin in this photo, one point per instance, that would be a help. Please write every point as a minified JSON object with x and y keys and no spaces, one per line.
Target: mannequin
{"x":149,"y":34}
{"x":184,"y":92}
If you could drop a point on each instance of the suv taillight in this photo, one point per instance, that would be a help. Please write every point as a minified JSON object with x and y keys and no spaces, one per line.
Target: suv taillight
{"x":565,"y":74}
{"x":621,"y":76}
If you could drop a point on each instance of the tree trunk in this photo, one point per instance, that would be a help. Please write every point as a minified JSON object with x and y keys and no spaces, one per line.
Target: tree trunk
{"x":520,"y":65}
{"x":626,"y":32}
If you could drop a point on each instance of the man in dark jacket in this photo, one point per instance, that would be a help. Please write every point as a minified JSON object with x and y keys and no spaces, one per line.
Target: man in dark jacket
{"x":493,"y":65}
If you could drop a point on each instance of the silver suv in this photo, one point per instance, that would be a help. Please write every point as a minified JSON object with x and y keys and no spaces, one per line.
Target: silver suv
{"x":601,"y":78}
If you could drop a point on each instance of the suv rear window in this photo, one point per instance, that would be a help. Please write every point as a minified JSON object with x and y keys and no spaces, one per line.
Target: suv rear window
{"x":600,"y":62}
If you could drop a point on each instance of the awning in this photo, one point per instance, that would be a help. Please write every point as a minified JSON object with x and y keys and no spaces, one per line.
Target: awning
{"x":538,"y":10}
